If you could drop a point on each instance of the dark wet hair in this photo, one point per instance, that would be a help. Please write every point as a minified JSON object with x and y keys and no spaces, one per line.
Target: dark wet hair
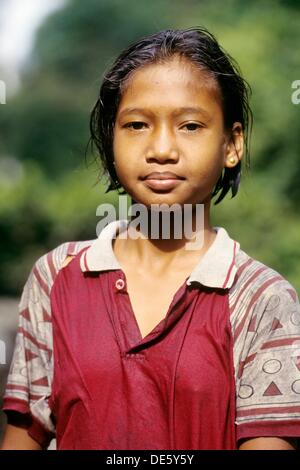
{"x":200,"y":47}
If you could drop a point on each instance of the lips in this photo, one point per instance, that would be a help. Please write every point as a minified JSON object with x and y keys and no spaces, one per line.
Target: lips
{"x":162,"y":180}
{"x":162,"y":175}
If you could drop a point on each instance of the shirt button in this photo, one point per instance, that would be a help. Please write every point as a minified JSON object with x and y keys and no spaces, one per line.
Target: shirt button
{"x":120,"y":283}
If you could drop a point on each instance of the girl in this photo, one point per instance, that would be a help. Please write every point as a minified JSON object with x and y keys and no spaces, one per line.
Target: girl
{"x":131,"y":342}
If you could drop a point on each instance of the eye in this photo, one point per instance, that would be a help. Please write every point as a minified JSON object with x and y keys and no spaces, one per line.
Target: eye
{"x":135,"y":125}
{"x":192,"y":126}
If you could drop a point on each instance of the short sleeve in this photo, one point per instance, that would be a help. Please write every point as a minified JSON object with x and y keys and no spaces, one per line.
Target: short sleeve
{"x":268,"y":391}
{"x":28,"y":386}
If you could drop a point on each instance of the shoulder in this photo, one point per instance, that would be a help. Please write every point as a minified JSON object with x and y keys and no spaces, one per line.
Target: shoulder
{"x":44,"y":272}
{"x":257,"y":284}
{"x":48,"y":265}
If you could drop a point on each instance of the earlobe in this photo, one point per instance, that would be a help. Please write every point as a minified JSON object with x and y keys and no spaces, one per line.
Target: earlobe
{"x":231,"y":161}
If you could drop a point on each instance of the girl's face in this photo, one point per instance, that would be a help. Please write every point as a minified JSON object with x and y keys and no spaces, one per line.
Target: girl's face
{"x":170,"y":120}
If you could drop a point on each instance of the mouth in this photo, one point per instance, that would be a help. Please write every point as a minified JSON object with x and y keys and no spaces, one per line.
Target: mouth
{"x":162,"y":181}
{"x":162,"y":175}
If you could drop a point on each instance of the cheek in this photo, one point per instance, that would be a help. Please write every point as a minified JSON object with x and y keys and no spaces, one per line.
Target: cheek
{"x":116,"y":145}
{"x":205,"y":177}
{"x":123,"y":148}
{"x":208,"y":160}
{"x":124,"y":166}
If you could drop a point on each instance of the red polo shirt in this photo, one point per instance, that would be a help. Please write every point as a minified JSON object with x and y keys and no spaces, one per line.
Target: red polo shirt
{"x":221,"y":366}
{"x":174,"y":389}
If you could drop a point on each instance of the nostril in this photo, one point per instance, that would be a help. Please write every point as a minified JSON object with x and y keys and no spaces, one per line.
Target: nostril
{"x":161,"y":154}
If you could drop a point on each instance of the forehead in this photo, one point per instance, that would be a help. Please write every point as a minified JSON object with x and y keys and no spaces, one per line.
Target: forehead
{"x":176,"y":81}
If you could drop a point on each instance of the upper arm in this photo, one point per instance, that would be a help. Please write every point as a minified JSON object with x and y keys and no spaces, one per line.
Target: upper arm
{"x":17,"y":438}
{"x":268,"y":374}
{"x":28,"y":388}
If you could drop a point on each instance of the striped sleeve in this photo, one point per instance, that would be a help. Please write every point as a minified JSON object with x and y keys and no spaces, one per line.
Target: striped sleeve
{"x":266,"y":319}
{"x":28,"y":385}
{"x":28,"y":388}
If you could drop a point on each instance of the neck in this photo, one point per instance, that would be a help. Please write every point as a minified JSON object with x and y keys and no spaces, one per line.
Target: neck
{"x":181,"y":234}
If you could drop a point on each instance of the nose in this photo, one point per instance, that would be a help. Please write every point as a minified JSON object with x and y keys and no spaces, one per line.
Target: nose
{"x":163,"y":147}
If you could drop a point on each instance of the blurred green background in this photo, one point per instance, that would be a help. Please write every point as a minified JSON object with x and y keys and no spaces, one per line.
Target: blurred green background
{"x":49,"y":191}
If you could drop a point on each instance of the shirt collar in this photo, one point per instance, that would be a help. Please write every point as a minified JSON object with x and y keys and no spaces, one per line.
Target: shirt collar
{"x":215,"y":269}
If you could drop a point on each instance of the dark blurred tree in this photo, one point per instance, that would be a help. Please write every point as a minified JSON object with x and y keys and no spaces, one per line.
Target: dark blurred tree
{"x":75,"y":44}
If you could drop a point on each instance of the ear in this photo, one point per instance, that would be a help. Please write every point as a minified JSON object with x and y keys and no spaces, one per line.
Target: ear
{"x":234,"y":146}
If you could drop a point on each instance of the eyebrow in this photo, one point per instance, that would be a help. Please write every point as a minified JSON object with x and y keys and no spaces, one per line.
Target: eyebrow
{"x":176,"y":112}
